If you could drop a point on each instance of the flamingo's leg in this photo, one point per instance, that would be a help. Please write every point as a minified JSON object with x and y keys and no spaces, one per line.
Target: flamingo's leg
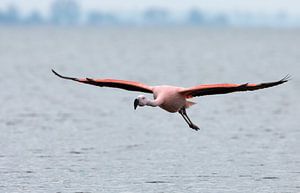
{"x":187,"y":119}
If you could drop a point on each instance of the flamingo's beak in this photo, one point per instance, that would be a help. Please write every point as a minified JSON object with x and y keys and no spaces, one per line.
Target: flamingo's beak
{"x":136,"y":103}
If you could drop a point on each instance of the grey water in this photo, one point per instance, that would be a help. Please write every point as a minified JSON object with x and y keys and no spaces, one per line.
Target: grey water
{"x":62,"y":136}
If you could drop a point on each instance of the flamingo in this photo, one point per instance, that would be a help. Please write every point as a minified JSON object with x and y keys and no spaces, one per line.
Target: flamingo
{"x":172,"y":98}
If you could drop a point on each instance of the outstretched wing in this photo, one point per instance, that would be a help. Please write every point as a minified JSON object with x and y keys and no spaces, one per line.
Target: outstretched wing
{"x":211,"y":89}
{"x":122,"y":84}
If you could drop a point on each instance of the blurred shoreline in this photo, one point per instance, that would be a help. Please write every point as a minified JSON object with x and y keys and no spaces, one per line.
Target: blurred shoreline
{"x":142,"y":27}
{"x":70,"y":13}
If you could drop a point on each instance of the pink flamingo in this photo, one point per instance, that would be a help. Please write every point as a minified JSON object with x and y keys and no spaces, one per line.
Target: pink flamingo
{"x":172,"y":98}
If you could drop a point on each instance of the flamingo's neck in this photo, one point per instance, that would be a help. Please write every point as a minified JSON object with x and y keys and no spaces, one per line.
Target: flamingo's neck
{"x":154,"y":103}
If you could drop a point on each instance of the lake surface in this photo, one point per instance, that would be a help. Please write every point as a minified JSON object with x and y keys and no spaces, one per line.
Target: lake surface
{"x":61,"y":136}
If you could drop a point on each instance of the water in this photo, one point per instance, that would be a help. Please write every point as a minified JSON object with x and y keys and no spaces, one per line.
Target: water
{"x":60,"y":136}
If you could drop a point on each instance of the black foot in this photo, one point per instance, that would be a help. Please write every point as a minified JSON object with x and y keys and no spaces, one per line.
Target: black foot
{"x":195,"y":127}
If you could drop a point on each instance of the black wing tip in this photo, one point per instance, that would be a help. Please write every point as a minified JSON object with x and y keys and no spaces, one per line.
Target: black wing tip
{"x":64,"y":77}
{"x":54,"y":72}
{"x":287,"y":78}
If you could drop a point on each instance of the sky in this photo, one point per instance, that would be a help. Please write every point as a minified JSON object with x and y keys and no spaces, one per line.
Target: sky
{"x":291,"y":7}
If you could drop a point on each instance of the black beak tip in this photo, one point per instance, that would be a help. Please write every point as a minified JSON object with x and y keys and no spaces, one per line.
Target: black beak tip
{"x":135,"y":104}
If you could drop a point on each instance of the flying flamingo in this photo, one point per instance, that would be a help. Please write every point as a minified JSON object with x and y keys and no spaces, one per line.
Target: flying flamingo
{"x":172,"y":98}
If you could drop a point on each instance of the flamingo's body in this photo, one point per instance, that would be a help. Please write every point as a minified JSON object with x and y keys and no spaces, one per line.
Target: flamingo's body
{"x":171,"y":98}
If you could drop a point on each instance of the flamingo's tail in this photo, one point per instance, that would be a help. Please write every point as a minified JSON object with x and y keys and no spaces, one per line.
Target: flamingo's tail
{"x":189,"y":104}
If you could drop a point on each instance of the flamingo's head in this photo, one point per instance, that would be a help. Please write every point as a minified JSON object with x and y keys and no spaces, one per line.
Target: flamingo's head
{"x":141,"y":100}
